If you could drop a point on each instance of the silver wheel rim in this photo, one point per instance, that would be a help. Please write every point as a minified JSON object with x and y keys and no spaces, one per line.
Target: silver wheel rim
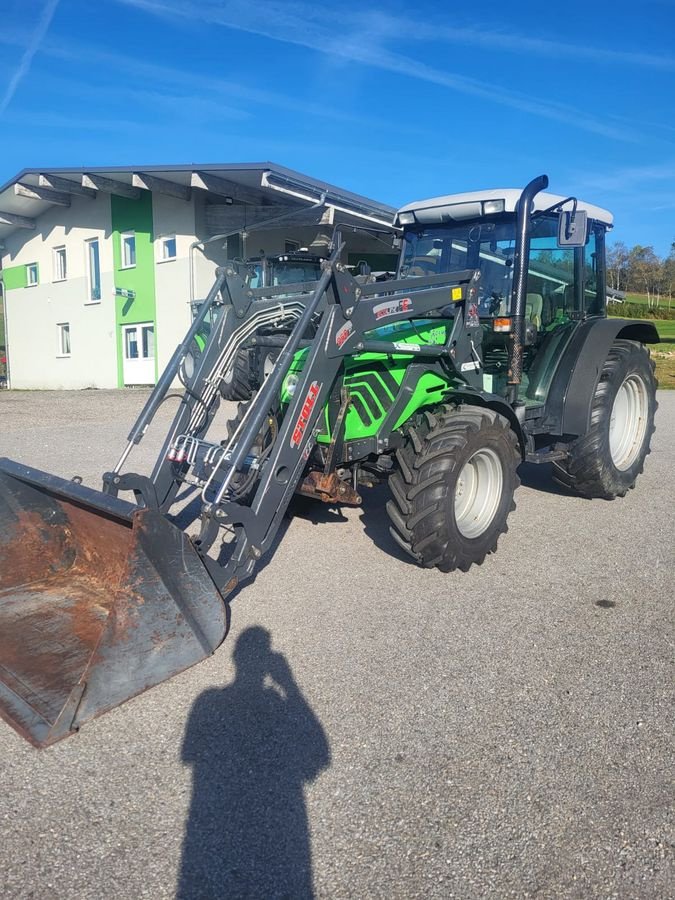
{"x":268,"y":364}
{"x":478,"y":492}
{"x":628,"y":422}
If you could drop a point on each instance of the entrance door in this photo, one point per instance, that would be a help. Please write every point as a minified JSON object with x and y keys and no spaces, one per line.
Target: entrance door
{"x":138,"y":351}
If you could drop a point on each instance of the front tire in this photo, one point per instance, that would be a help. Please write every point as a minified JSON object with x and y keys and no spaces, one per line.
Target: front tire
{"x":453,"y":491}
{"x":236,"y":384}
{"x":606,"y":461}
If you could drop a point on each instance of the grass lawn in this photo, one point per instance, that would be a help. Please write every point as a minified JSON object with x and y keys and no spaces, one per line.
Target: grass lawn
{"x":642,"y":299}
{"x":666,"y":329}
{"x":664,"y":353}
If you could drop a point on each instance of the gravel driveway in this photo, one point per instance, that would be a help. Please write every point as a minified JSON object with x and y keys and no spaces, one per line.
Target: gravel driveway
{"x":371,"y":729}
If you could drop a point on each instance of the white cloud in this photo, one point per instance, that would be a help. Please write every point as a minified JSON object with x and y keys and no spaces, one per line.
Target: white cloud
{"x":30,"y":51}
{"x":630,"y":179}
{"x":312,"y":27}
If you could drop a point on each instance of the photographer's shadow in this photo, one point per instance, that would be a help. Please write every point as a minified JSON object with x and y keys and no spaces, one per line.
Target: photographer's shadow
{"x":253,"y":745}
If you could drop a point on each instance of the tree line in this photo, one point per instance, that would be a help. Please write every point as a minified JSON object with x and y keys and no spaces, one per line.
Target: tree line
{"x":640,"y":270}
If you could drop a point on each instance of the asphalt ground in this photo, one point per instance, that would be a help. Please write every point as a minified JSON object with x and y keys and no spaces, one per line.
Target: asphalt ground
{"x":505,"y":732}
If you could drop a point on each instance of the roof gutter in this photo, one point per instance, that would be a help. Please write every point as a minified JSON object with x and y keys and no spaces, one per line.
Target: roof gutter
{"x":303,"y":191}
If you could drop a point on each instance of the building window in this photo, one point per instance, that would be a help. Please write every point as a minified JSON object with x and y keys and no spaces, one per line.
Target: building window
{"x":167,"y":248}
{"x":93,"y":271}
{"x":59,"y":260}
{"x":63,"y":333}
{"x":128,"y":249}
{"x":32,"y":274}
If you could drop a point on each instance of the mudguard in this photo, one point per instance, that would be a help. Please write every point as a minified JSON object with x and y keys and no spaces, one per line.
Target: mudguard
{"x":573,"y":387}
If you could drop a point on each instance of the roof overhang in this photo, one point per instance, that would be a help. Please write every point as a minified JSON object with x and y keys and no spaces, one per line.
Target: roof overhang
{"x":32,"y":192}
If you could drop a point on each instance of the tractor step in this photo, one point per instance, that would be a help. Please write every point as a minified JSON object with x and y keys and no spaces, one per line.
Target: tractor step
{"x":546,"y":456}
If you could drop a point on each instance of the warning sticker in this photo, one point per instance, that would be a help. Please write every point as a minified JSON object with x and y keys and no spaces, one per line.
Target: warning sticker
{"x":472,"y":320}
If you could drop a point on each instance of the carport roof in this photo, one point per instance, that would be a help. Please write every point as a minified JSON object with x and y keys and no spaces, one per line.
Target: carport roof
{"x":32,"y":191}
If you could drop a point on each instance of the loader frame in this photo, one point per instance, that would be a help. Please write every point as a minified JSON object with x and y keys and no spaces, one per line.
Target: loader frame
{"x":349,"y":313}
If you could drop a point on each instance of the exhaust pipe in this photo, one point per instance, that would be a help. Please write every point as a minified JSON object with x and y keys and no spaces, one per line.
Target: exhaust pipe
{"x":521,"y":267}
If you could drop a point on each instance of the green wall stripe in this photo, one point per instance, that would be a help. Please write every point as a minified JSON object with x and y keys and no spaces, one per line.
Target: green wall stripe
{"x":14,"y":277}
{"x":136,"y":216}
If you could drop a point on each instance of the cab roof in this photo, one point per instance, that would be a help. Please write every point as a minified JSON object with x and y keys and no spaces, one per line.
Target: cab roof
{"x":443,"y":205}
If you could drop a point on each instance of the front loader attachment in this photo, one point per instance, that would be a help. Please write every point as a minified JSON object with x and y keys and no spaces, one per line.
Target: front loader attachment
{"x":99,"y":600}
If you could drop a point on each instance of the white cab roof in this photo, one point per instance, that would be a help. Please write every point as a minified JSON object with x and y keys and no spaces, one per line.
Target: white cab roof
{"x":510,"y":196}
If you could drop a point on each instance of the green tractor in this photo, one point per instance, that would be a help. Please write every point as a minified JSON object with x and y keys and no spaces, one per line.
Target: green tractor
{"x":491,"y":347}
{"x":529,"y":368}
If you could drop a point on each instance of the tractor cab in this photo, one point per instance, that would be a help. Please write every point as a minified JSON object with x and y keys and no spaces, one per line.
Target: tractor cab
{"x":563,"y":281}
{"x":293,"y":267}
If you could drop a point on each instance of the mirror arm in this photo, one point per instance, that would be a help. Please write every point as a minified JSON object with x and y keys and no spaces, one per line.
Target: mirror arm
{"x":557,"y":207}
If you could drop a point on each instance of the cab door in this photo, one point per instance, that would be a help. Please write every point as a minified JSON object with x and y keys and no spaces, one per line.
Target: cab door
{"x":563,"y":288}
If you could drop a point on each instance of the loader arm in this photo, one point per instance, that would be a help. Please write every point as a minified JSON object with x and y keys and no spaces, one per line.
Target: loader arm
{"x":348,"y":313}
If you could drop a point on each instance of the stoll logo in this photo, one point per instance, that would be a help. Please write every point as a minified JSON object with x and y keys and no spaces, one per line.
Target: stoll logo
{"x":344,"y":334}
{"x":306,"y":412}
{"x":392,"y":308}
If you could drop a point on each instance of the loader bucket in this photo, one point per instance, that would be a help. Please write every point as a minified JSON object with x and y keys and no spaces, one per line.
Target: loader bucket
{"x":99,"y":600}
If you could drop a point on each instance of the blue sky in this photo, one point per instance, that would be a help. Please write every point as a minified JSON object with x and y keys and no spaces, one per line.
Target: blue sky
{"x":395,"y":100}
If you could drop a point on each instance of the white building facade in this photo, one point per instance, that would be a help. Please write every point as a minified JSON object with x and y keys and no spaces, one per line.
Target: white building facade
{"x":99,"y":266}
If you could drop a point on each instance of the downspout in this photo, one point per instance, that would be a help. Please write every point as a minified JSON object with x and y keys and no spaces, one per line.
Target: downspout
{"x":4,"y":322}
{"x":521,"y":266}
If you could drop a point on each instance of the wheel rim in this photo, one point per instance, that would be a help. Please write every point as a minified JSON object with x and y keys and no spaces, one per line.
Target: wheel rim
{"x":478,"y":492}
{"x":628,"y":422}
{"x":268,"y":365}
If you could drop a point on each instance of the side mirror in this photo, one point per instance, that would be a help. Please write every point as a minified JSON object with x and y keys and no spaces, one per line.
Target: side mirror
{"x":572,"y":228}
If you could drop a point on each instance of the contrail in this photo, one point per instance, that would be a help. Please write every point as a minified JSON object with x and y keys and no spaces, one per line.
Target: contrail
{"x":29,"y":53}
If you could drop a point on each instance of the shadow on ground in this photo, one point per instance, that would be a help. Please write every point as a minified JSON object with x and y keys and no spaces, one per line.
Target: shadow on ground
{"x":539,"y":477}
{"x":253,"y":746}
{"x":373,"y":513}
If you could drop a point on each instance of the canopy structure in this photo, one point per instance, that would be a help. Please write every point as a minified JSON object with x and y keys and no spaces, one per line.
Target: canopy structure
{"x":236,"y":193}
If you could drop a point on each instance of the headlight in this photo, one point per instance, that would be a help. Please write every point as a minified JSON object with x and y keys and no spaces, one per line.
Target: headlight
{"x":406,"y":218}
{"x":188,"y":365}
{"x":291,"y":384}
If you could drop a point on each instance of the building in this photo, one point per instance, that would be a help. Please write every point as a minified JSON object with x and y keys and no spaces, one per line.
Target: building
{"x":99,"y":266}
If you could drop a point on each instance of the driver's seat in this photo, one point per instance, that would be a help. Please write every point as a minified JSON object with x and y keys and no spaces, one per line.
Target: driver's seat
{"x":534,"y":303}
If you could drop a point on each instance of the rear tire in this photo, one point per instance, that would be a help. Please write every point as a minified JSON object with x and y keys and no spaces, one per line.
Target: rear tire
{"x":454,"y":488}
{"x":606,"y":461}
